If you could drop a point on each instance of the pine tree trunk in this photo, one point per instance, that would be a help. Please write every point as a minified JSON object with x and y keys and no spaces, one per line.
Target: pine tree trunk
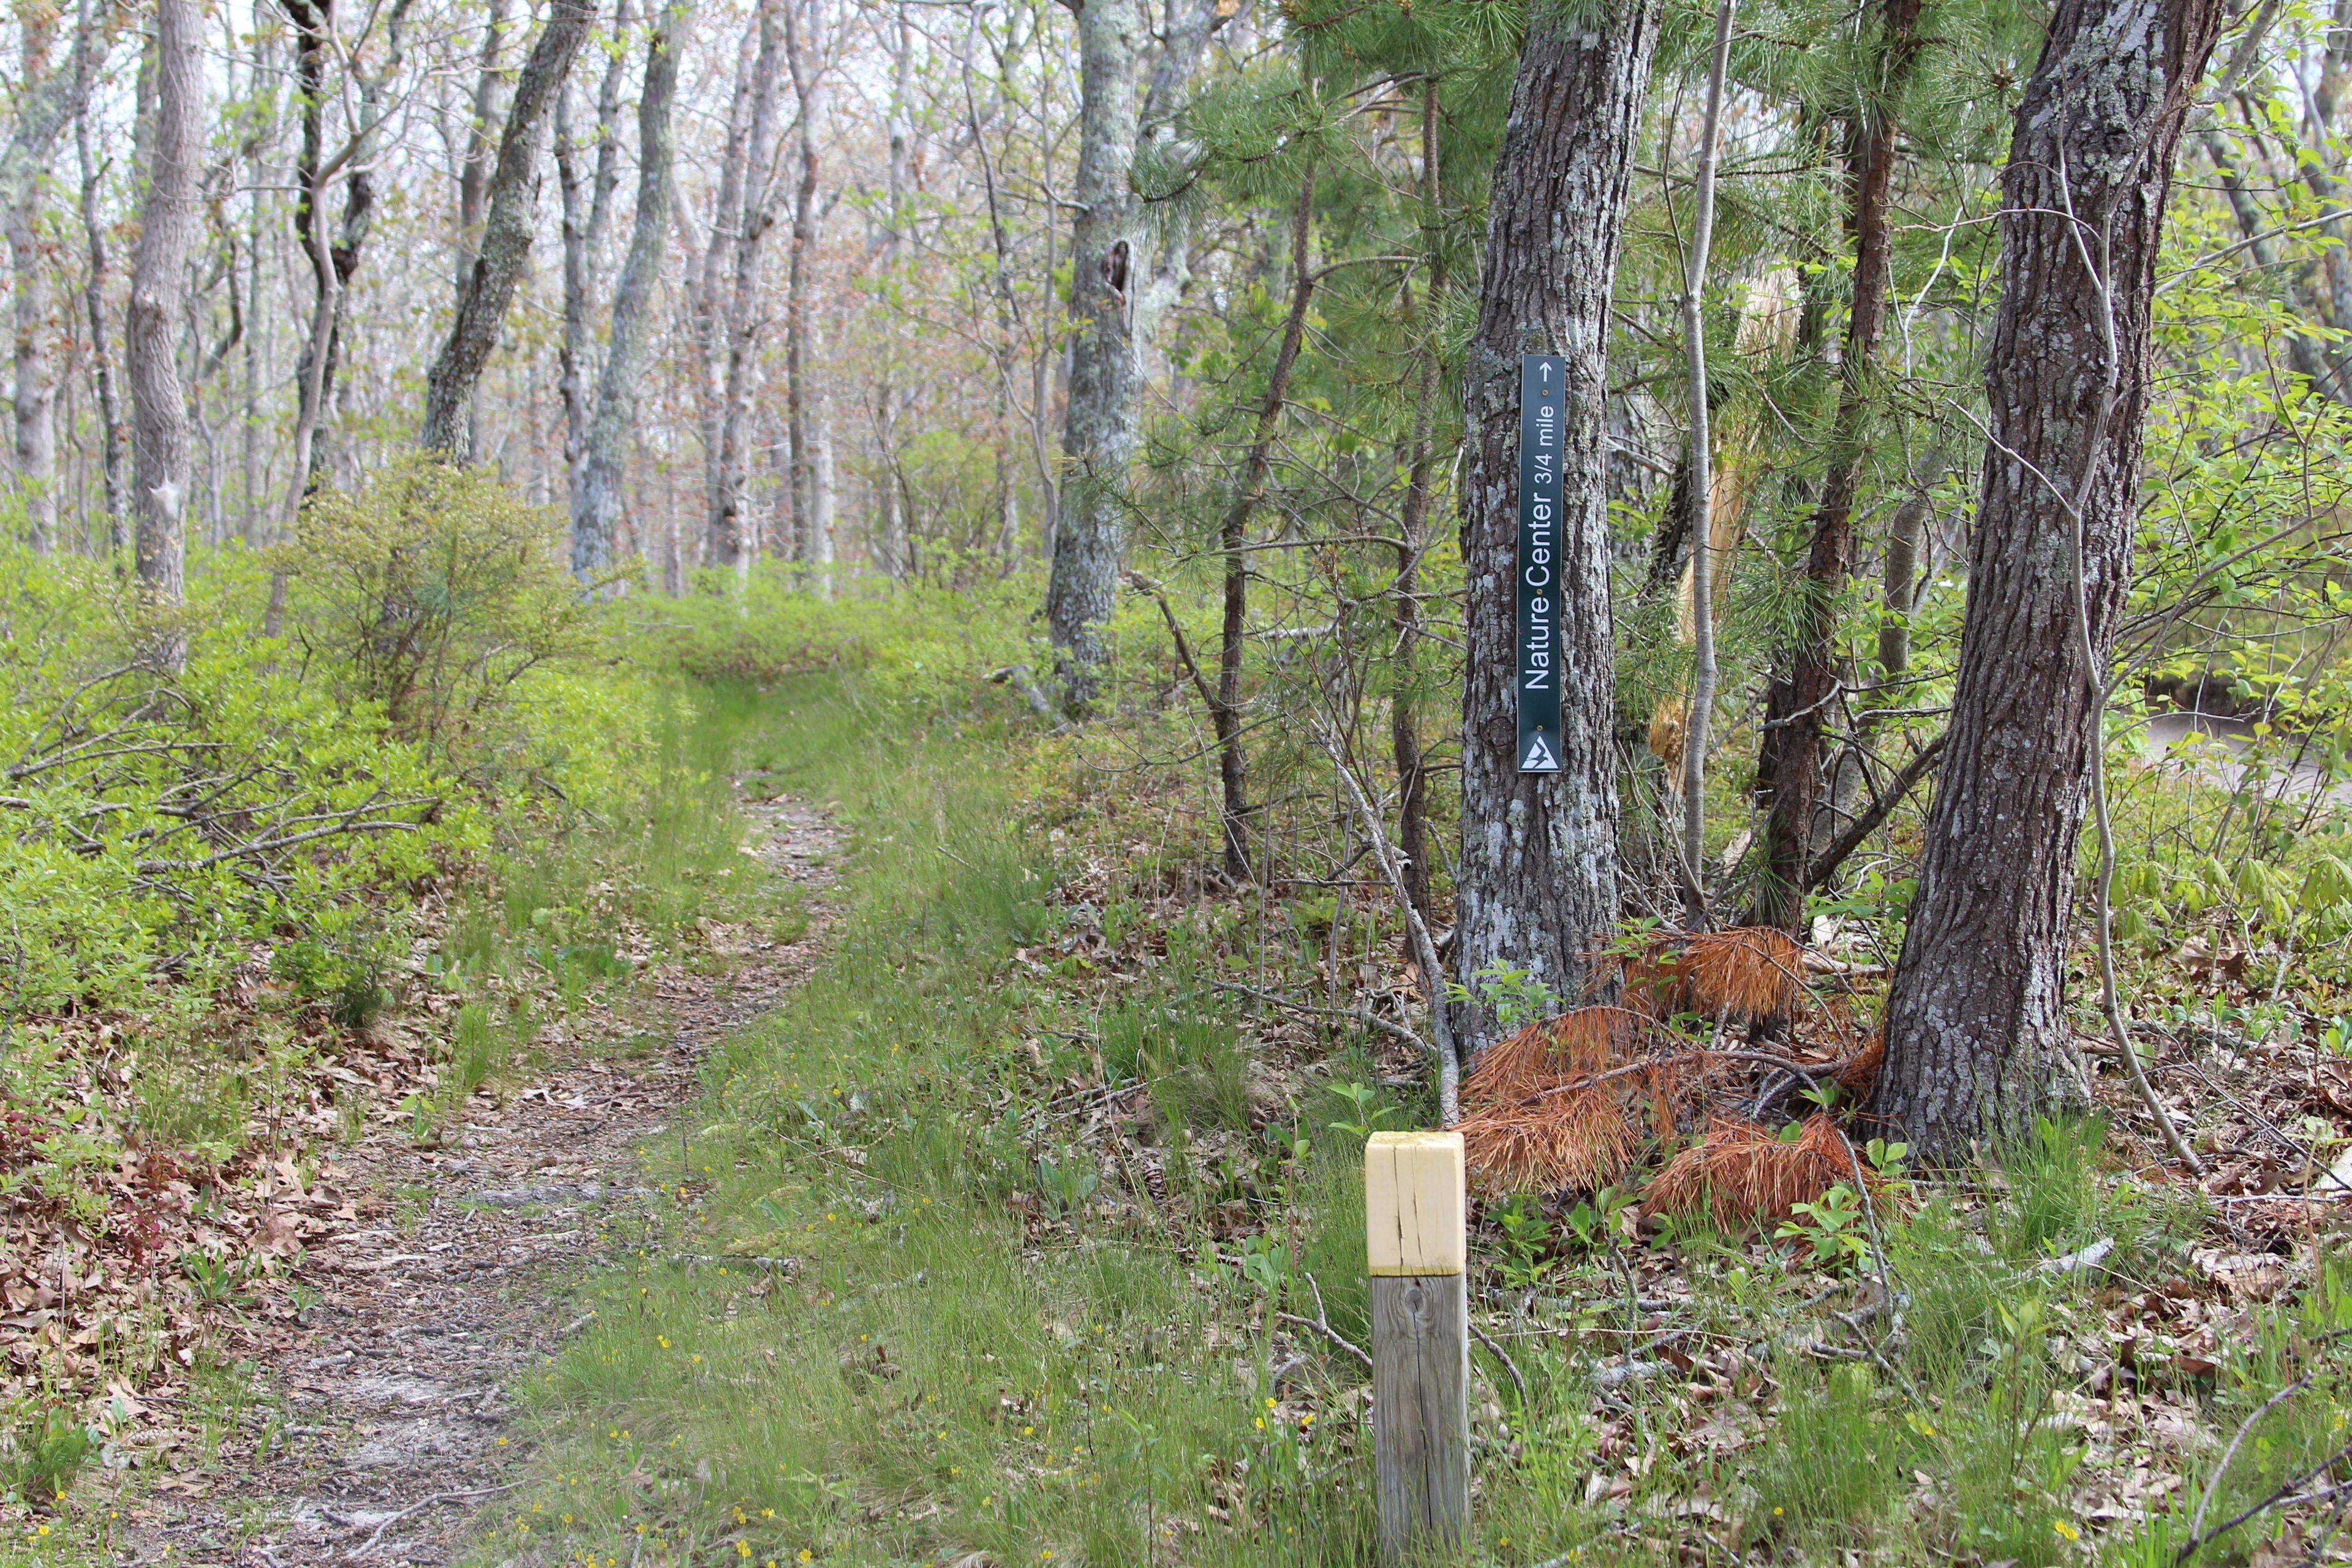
{"x":597,"y":508}
{"x":1799,"y":707}
{"x":506,"y":233}
{"x":167,"y":223}
{"x":1101,"y":419}
{"x":1976,"y":1019}
{"x":1537,"y":878}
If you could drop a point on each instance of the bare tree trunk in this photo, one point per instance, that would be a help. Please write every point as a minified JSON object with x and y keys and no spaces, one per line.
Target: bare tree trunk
{"x":596,"y":510}
{"x":1799,"y":706}
{"x":1537,"y":878}
{"x":506,"y":233}
{"x":731,"y":538}
{"x":808,"y":90}
{"x":704,"y":290}
{"x":1976,"y":1021}
{"x":1100,"y":424}
{"x":892,"y":540}
{"x":45,"y":96}
{"x":167,"y":222}
{"x":86,"y":58}
{"x":583,"y":246}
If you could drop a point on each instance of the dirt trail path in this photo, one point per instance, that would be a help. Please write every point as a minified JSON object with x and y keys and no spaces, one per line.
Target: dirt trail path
{"x":391,"y":1403}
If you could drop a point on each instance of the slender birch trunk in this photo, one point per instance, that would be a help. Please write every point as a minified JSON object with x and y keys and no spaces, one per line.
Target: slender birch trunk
{"x":159,"y":409}
{"x":596,"y":513}
{"x":734,"y":543}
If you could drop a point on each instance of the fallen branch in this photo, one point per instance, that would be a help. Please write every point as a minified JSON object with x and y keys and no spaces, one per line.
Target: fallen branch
{"x":1509,"y":1366}
{"x":387,"y":1523}
{"x":1321,"y":1323}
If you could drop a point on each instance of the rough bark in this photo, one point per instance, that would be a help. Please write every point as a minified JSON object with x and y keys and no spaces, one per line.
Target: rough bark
{"x":1101,"y":418}
{"x":1538,"y":876}
{"x":45,"y":96}
{"x":167,"y":223}
{"x":597,"y":505}
{"x":1799,"y":703}
{"x":734,"y":540}
{"x":1976,"y":1019}
{"x":506,"y":233}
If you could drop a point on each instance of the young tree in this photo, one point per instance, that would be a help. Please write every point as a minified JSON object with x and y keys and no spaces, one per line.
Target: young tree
{"x":1975,"y":1020}
{"x":1537,"y":878}
{"x":1798,"y":708}
{"x":506,"y":233}
{"x":159,"y":409}
{"x":596,"y":509}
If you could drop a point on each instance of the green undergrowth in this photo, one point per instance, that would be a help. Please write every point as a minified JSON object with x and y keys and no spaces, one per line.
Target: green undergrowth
{"x":889,"y":1312}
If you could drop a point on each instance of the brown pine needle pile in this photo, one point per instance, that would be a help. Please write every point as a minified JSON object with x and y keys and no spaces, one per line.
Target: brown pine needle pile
{"x":1558,"y":1105}
{"x":1744,"y":1171}
{"x":1749,"y":974}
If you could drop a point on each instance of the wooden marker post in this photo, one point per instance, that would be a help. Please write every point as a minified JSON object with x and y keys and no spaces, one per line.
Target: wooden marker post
{"x":1415,"y":1237}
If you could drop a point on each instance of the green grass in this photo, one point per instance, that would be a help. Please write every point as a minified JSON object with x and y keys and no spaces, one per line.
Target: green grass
{"x":923,"y":1379}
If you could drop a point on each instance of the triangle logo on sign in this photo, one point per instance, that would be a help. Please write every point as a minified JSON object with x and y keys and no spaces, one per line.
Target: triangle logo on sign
{"x":1539,"y":758}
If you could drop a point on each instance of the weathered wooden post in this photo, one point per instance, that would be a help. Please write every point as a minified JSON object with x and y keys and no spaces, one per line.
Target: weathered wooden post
{"x":1414,"y":1233}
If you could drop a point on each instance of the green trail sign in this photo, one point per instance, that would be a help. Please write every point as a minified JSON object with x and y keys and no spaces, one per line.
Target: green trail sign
{"x":1543,"y":386}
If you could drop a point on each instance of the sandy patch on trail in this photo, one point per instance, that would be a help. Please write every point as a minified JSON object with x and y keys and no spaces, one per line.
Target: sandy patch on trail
{"x":391,"y":1398}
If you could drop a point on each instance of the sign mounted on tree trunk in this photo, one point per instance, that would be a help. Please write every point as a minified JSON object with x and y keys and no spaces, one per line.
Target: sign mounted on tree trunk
{"x":1543,"y":386}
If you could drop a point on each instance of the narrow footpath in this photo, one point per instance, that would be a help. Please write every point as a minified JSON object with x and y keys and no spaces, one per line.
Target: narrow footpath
{"x":385,"y":1423}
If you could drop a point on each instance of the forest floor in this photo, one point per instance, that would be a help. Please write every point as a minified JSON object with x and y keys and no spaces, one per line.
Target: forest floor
{"x":379,"y":1428}
{"x":1009,"y":1213}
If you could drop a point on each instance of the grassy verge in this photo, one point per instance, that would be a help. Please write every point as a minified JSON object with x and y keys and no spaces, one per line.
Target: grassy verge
{"x":996,"y":1240}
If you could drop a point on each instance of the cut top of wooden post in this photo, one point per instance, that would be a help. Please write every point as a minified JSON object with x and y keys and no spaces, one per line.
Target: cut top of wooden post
{"x":1415,"y":1204}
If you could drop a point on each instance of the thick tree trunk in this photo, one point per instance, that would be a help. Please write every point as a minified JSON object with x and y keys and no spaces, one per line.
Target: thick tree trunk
{"x":167,"y":222}
{"x":1798,"y":707}
{"x":597,"y":506}
{"x":45,"y":96}
{"x":1537,"y":878}
{"x":734,"y":544}
{"x":1100,"y":423}
{"x":1976,"y":1019}
{"x":506,"y":233}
